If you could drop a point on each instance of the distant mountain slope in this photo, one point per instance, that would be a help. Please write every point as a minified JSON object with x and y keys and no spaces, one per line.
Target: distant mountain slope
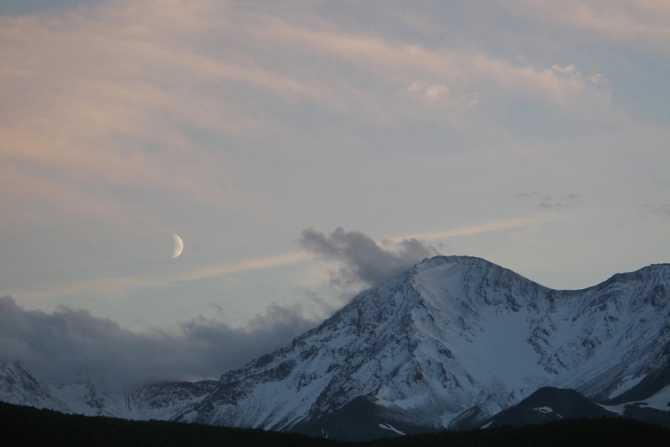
{"x":18,"y":387}
{"x":161,"y":401}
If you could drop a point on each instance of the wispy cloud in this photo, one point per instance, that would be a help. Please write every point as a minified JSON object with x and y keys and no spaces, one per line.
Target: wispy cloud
{"x":149,"y":75}
{"x":547,"y":201}
{"x":478,"y":229}
{"x":659,"y":208}
{"x":120,"y":284}
{"x":367,"y":260}
{"x":616,"y":19}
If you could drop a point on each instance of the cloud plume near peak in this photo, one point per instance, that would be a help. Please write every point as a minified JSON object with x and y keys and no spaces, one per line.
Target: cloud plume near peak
{"x":364,"y":259}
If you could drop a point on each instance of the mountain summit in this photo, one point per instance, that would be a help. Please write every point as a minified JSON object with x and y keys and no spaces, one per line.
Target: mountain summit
{"x":450,"y":343}
{"x":447,"y":345}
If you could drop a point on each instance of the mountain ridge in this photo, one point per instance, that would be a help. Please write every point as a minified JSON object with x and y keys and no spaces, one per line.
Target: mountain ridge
{"x":447,"y":345}
{"x":417,"y":369}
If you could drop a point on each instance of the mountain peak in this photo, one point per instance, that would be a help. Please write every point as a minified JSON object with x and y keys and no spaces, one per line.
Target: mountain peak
{"x":448,"y":344}
{"x":452,"y":334}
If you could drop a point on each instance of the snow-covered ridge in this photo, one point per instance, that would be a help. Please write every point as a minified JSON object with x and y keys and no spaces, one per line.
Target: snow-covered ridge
{"x":448,"y":343}
{"x":17,"y":386}
{"x":91,"y":398}
{"x":453,"y":334}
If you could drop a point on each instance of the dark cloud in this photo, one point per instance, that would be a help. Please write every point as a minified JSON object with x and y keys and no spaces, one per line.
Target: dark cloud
{"x":364,"y":260}
{"x":73,"y":345}
{"x":549,"y":201}
{"x":558,"y":202}
{"x":659,"y":208}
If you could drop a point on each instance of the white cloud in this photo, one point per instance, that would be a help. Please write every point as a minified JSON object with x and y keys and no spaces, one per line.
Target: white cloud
{"x":598,"y":79}
{"x":567,"y":70}
{"x":435,"y":91}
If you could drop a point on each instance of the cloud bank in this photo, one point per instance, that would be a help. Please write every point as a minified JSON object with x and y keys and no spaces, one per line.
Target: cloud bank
{"x":72,"y":345}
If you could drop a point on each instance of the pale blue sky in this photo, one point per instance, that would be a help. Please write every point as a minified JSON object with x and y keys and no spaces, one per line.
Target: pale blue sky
{"x":532,"y":134}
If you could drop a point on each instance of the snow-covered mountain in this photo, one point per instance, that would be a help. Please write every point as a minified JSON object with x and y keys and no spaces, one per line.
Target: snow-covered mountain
{"x":448,"y":344}
{"x":452,"y":342}
{"x":18,"y":387}
{"x":91,"y":398}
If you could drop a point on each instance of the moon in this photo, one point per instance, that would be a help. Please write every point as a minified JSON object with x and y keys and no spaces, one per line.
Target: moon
{"x":178,"y":246}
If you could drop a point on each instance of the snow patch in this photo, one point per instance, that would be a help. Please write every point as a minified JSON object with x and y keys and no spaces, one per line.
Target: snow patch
{"x":392,"y":428}
{"x":618,"y":409}
{"x":406,"y":404}
{"x":626,"y":384}
{"x":659,"y":401}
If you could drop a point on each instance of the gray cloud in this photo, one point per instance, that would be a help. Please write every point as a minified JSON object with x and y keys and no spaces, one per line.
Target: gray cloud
{"x":365,"y":260}
{"x":549,"y":201}
{"x":659,"y":208}
{"x":557,"y":202}
{"x":73,"y":345}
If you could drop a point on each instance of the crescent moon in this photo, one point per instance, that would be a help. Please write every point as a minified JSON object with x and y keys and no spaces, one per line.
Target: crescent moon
{"x":178,"y":246}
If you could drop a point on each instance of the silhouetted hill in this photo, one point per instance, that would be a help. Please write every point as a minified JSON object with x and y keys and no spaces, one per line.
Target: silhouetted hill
{"x":27,"y":426}
{"x":549,"y":404}
{"x":31,"y":427}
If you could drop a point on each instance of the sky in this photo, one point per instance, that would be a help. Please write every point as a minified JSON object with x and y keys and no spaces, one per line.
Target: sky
{"x":305,"y":151}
